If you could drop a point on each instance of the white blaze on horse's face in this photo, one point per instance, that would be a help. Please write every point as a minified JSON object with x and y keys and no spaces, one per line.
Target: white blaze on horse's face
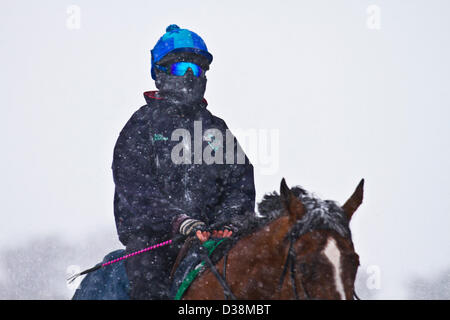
{"x":331,"y":251}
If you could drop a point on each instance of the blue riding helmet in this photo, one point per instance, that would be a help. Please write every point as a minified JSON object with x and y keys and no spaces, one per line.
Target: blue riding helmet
{"x":178,"y":40}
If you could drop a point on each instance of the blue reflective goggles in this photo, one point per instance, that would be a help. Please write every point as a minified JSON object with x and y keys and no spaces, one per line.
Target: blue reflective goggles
{"x":180,"y":68}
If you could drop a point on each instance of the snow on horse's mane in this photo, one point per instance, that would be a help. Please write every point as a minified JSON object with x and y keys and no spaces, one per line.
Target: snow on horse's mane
{"x":320,"y":215}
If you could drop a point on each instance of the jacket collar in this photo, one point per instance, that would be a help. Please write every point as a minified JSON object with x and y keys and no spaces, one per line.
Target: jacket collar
{"x":152,"y":96}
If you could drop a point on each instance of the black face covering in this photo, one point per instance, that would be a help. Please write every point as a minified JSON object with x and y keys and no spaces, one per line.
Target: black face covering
{"x":187,"y":89}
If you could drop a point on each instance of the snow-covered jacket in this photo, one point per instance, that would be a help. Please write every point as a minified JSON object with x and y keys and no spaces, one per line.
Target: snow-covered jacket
{"x":168,"y":167}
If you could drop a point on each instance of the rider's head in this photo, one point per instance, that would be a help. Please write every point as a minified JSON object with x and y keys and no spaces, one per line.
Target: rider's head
{"x":180,"y":60}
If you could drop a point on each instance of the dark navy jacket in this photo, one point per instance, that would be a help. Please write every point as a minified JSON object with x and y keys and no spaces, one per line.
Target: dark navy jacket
{"x":152,"y":192}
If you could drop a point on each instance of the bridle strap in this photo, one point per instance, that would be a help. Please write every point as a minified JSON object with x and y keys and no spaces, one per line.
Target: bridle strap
{"x":226,"y":289}
{"x":290,"y":260}
{"x":293,"y":273}
{"x":283,"y":273}
{"x":225,"y":260}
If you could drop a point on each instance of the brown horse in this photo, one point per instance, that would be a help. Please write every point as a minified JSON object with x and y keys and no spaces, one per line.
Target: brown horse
{"x":304,"y":251}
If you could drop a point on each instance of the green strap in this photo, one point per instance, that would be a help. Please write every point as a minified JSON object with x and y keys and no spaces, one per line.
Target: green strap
{"x":210,"y":245}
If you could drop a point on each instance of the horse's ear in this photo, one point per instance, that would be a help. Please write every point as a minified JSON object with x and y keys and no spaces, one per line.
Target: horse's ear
{"x":355,"y":200}
{"x":291,"y":203}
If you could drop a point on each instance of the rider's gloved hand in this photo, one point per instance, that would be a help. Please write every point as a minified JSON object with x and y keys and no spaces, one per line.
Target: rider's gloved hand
{"x":190,"y":226}
{"x":204,"y":235}
{"x":225,"y":233}
{"x":221,"y":230}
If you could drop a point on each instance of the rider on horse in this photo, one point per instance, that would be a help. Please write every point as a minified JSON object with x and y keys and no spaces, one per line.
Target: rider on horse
{"x":158,"y":196}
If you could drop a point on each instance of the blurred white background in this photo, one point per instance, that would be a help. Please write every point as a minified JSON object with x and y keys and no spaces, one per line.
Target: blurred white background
{"x":357,"y":89}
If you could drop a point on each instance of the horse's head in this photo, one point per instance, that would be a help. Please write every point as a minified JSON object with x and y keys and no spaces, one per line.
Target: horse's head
{"x":321,"y":247}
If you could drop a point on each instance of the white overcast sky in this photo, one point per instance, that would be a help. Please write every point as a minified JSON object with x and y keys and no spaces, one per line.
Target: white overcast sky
{"x":349,"y":102}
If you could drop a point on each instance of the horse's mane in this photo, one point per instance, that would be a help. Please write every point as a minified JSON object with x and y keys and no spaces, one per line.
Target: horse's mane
{"x":320,"y":215}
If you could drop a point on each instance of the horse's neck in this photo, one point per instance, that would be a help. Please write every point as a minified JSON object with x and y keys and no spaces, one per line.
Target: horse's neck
{"x":272,"y":235}
{"x":261,"y":255}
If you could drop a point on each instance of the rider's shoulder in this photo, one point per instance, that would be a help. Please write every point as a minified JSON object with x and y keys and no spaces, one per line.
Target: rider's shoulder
{"x":140,"y":116}
{"x":219,"y":122}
